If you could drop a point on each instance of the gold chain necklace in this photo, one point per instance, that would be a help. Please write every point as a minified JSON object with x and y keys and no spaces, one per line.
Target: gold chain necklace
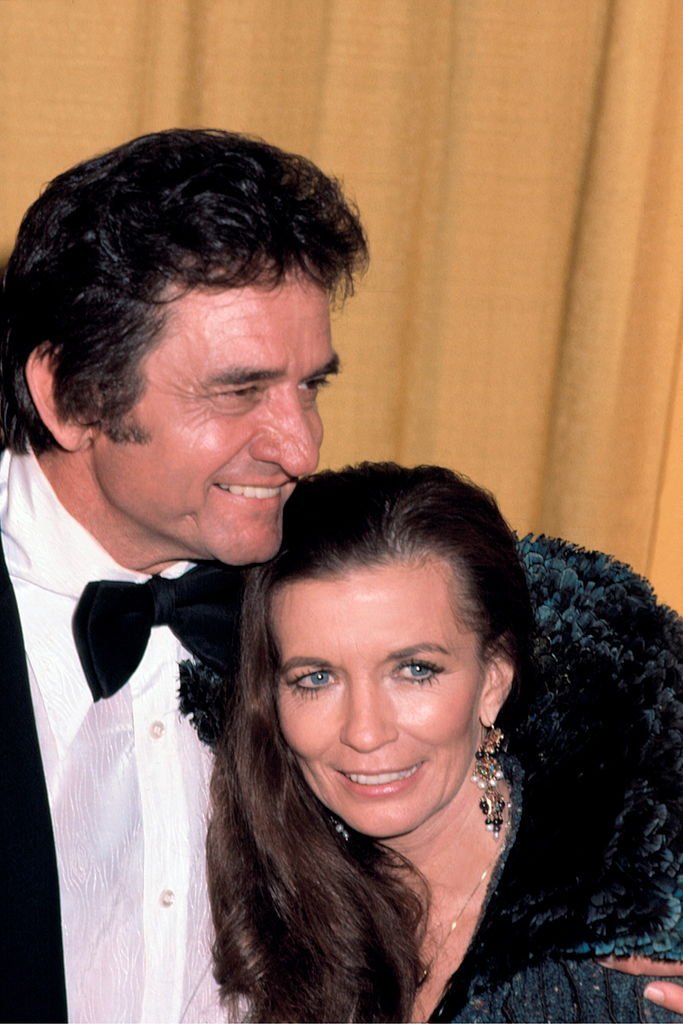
{"x":454,"y":923}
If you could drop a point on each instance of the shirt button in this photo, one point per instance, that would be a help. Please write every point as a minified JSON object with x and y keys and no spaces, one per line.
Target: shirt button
{"x":157,"y":730}
{"x":167,"y":898}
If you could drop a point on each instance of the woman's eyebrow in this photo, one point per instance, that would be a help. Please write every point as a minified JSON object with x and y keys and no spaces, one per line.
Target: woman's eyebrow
{"x":302,"y":662}
{"x":416,"y":649}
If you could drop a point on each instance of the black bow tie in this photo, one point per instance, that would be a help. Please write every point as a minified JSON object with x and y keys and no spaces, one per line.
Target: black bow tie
{"x":112,"y":622}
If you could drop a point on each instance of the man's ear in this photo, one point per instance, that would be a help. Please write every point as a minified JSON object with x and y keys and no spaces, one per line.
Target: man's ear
{"x":500,"y":673}
{"x":70,"y":435}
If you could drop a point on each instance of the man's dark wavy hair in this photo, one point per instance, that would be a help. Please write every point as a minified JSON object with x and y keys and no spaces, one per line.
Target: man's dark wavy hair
{"x":110,"y":242}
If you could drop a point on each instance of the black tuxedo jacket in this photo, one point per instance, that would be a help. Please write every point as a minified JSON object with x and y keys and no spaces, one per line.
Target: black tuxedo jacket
{"x":32,"y":986}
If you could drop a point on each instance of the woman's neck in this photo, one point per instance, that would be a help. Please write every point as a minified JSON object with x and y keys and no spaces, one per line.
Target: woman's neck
{"x":445,"y":847}
{"x":457,"y":860}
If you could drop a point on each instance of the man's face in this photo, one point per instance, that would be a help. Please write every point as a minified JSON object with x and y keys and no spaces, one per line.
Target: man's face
{"x":230,"y":419}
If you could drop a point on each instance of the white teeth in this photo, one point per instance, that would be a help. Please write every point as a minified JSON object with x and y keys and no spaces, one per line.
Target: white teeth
{"x":383,"y":778}
{"x":251,"y":492}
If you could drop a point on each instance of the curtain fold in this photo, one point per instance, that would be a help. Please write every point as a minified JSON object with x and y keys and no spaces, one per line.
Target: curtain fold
{"x":519,"y":167}
{"x":617,"y":375}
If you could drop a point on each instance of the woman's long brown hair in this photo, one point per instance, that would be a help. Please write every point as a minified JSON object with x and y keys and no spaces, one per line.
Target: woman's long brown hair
{"x":311,"y":925}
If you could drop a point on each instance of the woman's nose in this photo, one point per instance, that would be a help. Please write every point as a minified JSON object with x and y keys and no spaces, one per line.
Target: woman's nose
{"x":369,"y":720}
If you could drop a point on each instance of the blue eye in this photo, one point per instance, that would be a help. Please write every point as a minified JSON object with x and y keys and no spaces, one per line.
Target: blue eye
{"x":314,"y":680}
{"x":419,"y":671}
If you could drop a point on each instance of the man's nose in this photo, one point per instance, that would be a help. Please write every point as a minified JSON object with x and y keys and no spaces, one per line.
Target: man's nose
{"x":369,"y":719}
{"x":290,"y":438}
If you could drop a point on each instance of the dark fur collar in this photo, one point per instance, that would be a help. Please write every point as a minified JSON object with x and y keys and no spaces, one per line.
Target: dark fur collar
{"x":202,"y":697}
{"x":600,"y":737}
{"x":596,"y":867}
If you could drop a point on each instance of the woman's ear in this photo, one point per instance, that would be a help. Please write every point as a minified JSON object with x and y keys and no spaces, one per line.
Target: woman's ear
{"x":499,"y":674}
{"x":68,"y":434}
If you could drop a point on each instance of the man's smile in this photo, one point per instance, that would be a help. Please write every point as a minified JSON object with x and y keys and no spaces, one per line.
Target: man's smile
{"x":246,"y":491}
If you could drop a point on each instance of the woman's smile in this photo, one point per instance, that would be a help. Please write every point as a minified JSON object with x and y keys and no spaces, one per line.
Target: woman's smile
{"x":380,"y":778}
{"x":371,"y":786}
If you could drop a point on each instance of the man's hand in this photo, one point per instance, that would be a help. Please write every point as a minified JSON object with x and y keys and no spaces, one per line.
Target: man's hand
{"x":665,"y":993}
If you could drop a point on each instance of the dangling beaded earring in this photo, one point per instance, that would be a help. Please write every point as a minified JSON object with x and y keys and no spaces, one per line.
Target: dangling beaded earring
{"x":487,"y":772}
{"x":340,"y":828}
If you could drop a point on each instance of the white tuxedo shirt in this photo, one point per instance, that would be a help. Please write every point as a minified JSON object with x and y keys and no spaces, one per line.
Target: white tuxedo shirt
{"x":127,"y":782}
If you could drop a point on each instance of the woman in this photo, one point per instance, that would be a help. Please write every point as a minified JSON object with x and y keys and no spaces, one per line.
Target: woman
{"x":357,"y":871}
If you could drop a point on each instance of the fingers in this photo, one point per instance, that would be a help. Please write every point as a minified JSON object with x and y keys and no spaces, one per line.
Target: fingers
{"x":642,"y":965}
{"x":666,"y":993}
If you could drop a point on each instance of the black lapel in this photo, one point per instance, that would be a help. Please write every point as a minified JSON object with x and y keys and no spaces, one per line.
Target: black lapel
{"x":31,"y":957}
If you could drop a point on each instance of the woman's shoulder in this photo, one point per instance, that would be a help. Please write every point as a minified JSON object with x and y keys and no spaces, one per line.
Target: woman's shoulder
{"x":587,"y":602}
{"x":596,"y":864}
{"x":562,"y":990}
{"x":600,"y":736}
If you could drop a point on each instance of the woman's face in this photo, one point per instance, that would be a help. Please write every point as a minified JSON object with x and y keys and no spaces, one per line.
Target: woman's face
{"x":382,"y":694}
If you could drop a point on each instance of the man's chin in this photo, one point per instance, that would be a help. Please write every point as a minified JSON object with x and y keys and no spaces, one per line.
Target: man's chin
{"x":249,"y":554}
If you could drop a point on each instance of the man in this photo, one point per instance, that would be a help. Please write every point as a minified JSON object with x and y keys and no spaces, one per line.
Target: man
{"x":165,"y":331}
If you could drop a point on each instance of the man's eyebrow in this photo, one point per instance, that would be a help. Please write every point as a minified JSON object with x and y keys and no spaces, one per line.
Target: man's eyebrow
{"x":238,"y":376}
{"x":331,"y":367}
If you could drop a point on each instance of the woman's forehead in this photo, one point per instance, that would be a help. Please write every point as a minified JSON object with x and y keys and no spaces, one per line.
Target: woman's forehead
{"x":429,"y":576}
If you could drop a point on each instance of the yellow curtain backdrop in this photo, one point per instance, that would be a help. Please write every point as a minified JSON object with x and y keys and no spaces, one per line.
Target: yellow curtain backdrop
{"x":519,"y":168}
